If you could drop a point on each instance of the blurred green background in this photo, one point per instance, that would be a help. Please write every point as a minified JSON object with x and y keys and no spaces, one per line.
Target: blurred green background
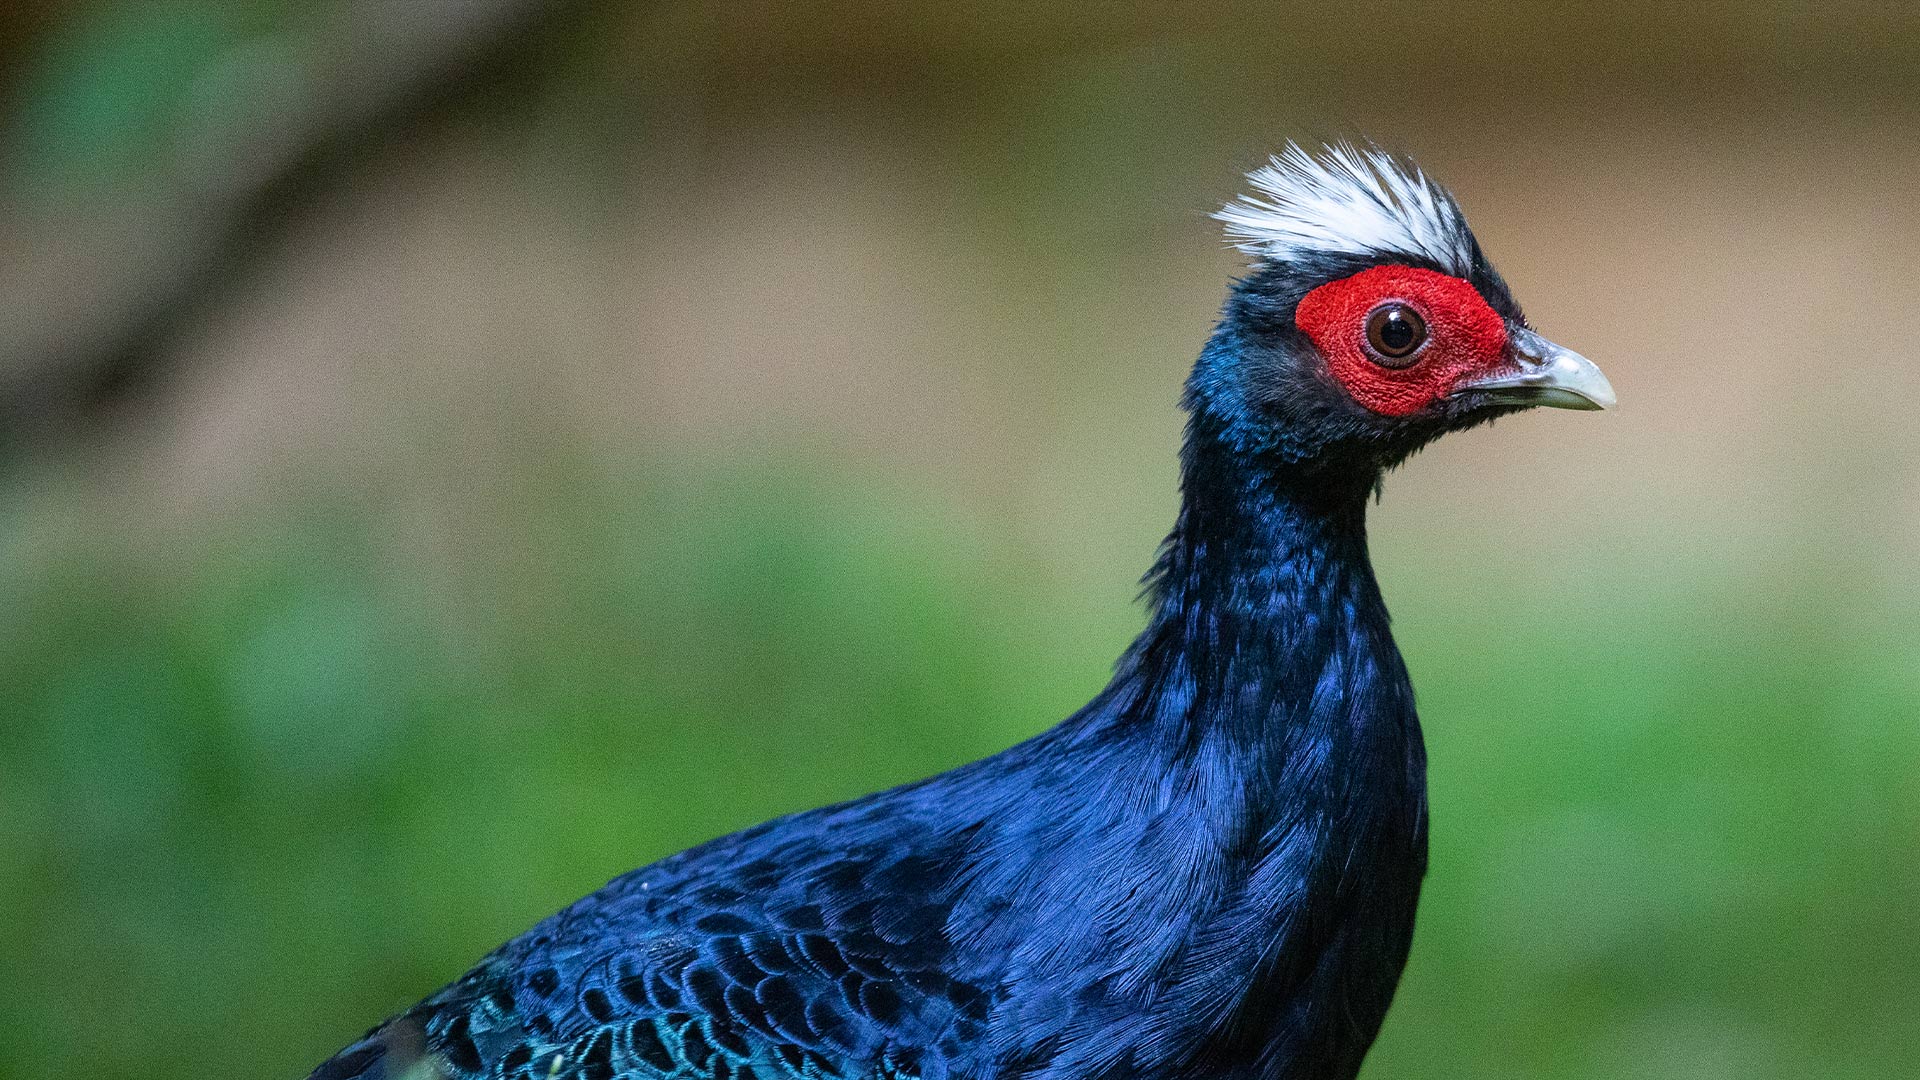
{"x":452,"y":452}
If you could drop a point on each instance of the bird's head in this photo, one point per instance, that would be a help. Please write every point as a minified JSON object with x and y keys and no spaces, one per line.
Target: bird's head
{"x":1370,"y":322}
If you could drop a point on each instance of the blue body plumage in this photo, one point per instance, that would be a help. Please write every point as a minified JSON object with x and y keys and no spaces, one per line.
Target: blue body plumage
{"x":1211,"y":870}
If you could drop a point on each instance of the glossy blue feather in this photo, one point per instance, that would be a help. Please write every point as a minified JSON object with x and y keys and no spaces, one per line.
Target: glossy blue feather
{"x":1211,"y":870}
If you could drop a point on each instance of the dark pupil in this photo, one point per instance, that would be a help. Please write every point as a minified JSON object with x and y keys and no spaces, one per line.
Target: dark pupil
{"x":1396,"y":333}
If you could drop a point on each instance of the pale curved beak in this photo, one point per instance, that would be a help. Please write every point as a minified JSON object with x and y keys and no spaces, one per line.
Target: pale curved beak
{"x":1548,"y":375}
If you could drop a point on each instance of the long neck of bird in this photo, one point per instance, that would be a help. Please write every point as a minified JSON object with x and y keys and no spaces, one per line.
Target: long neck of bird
{"x":1254,"y":759}
{"x":1265,"y":607}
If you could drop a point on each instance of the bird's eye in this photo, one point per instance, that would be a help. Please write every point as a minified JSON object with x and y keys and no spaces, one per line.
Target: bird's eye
{"x":1395,"y":332}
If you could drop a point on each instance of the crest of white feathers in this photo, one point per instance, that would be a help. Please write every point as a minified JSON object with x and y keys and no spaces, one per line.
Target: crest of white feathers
{"x":1347,"y":200}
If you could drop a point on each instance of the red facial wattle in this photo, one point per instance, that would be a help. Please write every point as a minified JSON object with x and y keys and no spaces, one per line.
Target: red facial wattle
{"x":1466,"y":338}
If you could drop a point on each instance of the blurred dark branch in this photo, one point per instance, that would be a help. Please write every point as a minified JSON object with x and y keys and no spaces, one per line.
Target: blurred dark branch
{"x":22,"y":25}
{"x":94,"y":296}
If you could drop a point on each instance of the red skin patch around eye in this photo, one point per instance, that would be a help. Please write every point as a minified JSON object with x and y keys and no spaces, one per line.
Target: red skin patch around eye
{"x":1465,"y":336}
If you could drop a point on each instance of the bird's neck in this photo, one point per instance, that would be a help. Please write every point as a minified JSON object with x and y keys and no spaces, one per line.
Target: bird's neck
{"x":1235,"y":828}
{"x":1266,"y":688}
{"x":1264,"y":602}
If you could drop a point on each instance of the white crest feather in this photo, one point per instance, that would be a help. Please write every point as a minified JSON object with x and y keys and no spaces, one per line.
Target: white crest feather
{"x":1343,"y":200}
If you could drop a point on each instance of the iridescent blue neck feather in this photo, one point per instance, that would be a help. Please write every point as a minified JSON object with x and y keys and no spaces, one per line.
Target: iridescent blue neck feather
{"x":1220,"y":854}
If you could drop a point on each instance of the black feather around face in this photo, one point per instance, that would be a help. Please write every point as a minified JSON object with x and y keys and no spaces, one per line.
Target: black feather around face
{"x":1267,"y":390}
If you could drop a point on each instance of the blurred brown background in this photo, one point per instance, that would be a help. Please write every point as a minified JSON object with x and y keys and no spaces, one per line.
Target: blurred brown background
{"x":452,"y":452}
